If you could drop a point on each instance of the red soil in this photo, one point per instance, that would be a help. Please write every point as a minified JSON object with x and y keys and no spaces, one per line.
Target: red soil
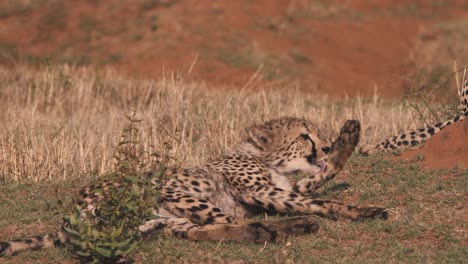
{"x":446,"y":149}
{"x":334,"y":47}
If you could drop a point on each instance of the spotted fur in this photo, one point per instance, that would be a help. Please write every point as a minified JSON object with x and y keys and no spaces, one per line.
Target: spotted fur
{"x":214,"y":201}
{"x":417,"y":137}
{"x":463,"y":105}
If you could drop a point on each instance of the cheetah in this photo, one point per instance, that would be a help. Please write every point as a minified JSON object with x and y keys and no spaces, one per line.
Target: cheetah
{"x":214,"y":202}
{"x":417,"y":137}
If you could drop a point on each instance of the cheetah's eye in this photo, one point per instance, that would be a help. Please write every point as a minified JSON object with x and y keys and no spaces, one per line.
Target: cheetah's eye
{"x":326,"y":149}
{"x":305,"y":136}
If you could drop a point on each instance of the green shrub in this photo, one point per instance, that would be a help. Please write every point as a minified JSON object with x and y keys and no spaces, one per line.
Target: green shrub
{"x":110,"y":233}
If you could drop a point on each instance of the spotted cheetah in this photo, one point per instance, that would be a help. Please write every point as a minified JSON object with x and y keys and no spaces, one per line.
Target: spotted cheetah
{"x":214,"y":201}
{"x":417,"y":137}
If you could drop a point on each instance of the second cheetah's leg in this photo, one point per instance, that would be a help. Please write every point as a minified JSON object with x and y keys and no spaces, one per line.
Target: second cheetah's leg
{"x":257,"y":232}
{"x":340,"y":151}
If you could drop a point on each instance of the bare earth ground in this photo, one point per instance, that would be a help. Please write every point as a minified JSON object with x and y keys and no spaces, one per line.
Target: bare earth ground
{"x":447,"y":149}
{"x":327,"y":47}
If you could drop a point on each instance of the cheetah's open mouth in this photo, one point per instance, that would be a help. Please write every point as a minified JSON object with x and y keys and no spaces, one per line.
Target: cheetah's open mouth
{"x":323,"y":165}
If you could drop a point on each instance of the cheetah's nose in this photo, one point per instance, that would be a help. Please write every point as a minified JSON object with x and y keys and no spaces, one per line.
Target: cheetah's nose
{"x":311,"y":159}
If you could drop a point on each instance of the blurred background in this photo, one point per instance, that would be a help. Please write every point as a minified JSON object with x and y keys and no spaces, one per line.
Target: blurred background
{"x":334,"y":47}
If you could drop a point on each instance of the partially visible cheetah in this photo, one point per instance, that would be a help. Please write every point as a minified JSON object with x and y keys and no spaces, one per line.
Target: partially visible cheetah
{"x":214,"y":201}
{"x":417,"y":137}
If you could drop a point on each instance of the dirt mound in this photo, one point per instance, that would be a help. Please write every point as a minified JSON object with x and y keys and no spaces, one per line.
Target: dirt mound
{"x":445,"y":150}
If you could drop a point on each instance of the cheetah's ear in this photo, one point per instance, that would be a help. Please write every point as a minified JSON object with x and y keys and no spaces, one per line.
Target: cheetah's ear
{"x":260,"y":136}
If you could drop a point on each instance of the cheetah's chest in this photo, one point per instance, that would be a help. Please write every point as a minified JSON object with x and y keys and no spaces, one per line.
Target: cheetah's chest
{"x":280,"y":181}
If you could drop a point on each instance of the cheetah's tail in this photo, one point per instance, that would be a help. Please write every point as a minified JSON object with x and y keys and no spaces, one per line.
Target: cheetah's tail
{"x":9,"y":248}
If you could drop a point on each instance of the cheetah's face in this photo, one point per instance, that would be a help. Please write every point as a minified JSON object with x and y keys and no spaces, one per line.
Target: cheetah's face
{"x":289,"y":145}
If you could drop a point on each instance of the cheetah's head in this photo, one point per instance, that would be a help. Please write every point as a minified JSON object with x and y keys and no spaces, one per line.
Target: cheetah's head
{"x":288,"y":145}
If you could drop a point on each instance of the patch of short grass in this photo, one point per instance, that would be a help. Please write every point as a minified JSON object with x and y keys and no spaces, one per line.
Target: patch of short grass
{"x":426,"y":222}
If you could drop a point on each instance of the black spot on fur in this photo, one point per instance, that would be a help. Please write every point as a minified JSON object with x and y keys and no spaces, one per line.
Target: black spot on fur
{"x":195,"y":218}
{"x":270,"y":207}
{"x":431,"y":131}
{"x":319,"y":203}
{"x":194,"y":209}
{"x":280,"y":163}
{"x":3,"y":247}
{"x":403,"y":136}
{"x":414,"y":142}
{"x":293,"y":195}
{"x":57,"y":242}
{"x":258,"y":202}
{"x":195,"y":183}
{"x":203,"y":206}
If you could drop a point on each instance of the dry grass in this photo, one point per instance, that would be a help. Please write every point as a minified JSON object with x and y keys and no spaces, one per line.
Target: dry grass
{"x":61,"y":123}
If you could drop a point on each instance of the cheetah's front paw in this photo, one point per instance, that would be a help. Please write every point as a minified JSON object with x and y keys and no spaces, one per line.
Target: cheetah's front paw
{"x":345,"y":144}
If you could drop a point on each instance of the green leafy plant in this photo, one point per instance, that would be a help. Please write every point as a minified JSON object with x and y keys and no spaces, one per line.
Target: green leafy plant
{"x":125,"y":199}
